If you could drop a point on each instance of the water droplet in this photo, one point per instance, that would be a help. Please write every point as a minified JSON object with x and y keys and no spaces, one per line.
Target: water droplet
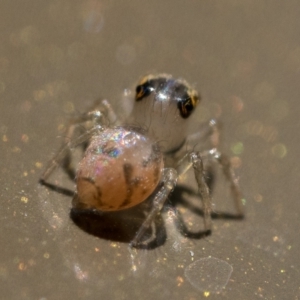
{"x":208,"y":274}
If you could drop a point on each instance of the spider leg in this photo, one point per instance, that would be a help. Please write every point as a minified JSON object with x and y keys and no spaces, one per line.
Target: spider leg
{"x":207,"y":132}
{"x":60,"y":156}
{"x":100,"y":115}
{"x":224,"y":161}
{"x":169,"y":182}
{"x":197,"y":164}
{"x":195,"y":159}
{"x":75,"y":124}
{"x":109,"y":112}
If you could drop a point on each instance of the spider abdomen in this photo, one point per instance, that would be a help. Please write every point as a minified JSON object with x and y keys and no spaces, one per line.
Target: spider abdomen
{"x":121,"y":168}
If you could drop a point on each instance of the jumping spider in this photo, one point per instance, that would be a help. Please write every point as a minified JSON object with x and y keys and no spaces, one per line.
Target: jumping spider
{"x":127,"y":162}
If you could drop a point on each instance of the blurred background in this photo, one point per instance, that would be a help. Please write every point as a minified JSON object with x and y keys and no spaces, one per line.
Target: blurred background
{"x":58,"y":57}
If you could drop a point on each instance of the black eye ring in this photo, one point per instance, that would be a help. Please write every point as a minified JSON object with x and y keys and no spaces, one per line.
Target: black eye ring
{"x":186,"y":107}
{"x":143,"y":90}
{"x":139,"y":89}
{"x":189,"y":106}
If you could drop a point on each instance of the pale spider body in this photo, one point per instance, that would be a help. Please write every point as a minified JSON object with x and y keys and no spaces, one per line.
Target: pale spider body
{"x":127,"y":162}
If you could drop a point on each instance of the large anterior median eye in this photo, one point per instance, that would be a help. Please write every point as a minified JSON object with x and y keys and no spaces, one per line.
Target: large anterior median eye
{"x":186,"y":106}
{"x":143,"y":90}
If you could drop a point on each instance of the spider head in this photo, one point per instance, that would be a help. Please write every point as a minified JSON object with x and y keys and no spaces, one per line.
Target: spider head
{"x":162,"y":106}
{"x":167,"y":90}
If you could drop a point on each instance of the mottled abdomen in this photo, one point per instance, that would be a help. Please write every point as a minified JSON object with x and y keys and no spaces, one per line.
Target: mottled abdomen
{"x":121,"y":168}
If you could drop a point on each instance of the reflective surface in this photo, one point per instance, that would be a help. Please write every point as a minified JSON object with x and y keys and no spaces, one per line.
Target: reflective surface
{"x":56,"y":58}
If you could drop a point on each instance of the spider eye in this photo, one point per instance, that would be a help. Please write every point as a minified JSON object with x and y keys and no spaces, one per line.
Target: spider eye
{"x":143,"y":90}
{"x":186,"y":106}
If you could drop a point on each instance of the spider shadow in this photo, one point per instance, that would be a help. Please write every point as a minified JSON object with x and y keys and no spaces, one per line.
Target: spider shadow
{"x":179,"y":198}
{"x":118,"y":226}
{"x":121,"y":226}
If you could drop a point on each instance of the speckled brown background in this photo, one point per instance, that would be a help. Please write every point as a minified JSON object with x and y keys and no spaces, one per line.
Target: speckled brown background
{"x":57,"y":57}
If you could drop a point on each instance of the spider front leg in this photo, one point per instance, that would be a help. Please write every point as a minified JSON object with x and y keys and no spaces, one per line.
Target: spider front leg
{"x":211,"y":132}
{"x":169,"y":181}
{"x":197,"y":164}
{"x":194,"y":159}
{"x":224,"y":161}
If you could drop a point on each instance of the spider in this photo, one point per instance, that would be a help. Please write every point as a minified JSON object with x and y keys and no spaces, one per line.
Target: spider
{"x":126,"y":162}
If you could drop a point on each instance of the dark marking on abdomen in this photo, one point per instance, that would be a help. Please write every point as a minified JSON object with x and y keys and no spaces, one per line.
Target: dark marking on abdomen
{"x":98,"y":195}
{"x":127,"y":170}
